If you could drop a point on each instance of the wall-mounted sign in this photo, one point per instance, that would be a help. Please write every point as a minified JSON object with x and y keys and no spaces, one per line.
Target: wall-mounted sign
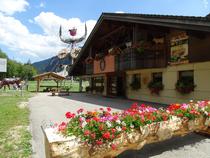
{"x":179,"y":49}
{"x":107,"y":64}
{"x":3,"y":65}
{"x":102,"y":64}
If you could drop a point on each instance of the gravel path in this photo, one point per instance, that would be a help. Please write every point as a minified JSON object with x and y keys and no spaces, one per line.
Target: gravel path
{"x":45,"y":108}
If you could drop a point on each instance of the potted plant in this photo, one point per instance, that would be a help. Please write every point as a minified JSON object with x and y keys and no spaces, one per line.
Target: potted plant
{"x":185,"y":86}
{"x":136,"y":83}
{"x":155,"y":87}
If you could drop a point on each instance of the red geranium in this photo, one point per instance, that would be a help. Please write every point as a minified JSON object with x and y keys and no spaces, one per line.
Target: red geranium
{"x":86,"y":132}
{"x":113,"y":146}
{"x":106,"y":135}
{"x":80,"y":111}
{"x":99,"y":142}
{"x":70,"y":115}
{"x":62,"y":126}
{"x":109,"y":109}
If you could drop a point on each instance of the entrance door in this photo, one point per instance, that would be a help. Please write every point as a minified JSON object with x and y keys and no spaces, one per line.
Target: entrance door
{"x":111,"y":85}
{"x":116,"y":85}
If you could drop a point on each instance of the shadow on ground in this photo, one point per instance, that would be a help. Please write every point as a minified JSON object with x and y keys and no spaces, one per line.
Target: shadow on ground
{"x":168,"y":145}
{"x":117,"y":103}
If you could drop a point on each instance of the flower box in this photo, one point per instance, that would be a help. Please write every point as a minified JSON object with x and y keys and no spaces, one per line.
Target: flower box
{"x":101,"y":133}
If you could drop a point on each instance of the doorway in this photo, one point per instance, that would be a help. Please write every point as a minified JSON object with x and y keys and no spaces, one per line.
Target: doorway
{"x":116,"y":85}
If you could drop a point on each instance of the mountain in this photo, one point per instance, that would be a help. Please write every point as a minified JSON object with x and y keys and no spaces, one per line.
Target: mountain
{"x":52,"y":64}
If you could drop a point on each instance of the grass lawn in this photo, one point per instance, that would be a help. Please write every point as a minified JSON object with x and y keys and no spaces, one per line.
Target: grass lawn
{"x":74,"y":86}
{"x":14,"y":121}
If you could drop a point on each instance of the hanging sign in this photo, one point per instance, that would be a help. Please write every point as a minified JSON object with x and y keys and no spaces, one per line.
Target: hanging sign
{"x":179,"y":49}
{"x":3,"y":65}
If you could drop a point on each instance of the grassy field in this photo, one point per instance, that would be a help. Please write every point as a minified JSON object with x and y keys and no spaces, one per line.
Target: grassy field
{"x":74,"y":86}
{"x":14,"y":121}
{"x":14,"y":125}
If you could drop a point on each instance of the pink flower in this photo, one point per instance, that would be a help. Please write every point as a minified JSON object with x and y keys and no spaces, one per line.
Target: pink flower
{"x":62,"y":126}
{"x":86,"y":132}
{"x":80,"y":111}
{"x":113,"y":147}
{"x":109,"y":109}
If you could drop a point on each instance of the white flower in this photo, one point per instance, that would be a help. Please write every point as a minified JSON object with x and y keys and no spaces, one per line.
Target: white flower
{"x":123,"y":123}
{"x":131,"y":126}
{"x":118,"y":121}
{"x":168,"y":111}
{"x":108,"y":124}
{"x":118,"y":128}
{"x":84,"y":124}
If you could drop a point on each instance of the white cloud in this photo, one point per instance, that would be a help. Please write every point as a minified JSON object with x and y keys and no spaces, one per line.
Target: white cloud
{"x":20,"y":39}
{"x":42,"y":5}
{"x":9,"y":7}
{"x":205,"y":3}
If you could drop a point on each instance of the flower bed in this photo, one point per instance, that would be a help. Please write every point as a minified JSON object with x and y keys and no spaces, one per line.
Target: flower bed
{"x":103,"y":132}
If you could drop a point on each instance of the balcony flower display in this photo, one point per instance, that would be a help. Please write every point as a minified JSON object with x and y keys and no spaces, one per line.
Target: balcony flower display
{"x":185,"y":86}
{"x":155,"y":87}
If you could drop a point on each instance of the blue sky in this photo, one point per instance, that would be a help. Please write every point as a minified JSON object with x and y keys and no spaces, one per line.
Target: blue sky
{"x":29,"y":29}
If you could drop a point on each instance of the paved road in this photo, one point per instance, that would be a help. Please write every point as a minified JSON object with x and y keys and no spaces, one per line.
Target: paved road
{"x":45,"y":108}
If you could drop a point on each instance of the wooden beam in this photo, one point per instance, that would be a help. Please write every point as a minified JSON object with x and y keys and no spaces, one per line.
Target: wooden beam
{"x":111,"y":33}
{"x":38,"y":85}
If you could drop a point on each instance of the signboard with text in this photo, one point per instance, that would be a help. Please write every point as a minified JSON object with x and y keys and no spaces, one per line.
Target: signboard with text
{"x":3,"y":65}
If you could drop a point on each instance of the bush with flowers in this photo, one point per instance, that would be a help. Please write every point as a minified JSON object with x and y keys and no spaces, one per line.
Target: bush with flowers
{"x":102,"y":127}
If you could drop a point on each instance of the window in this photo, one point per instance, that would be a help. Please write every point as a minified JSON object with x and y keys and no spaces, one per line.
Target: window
{"x":157,"y":77}
{"x":135,"y":82}
{"x":185,"y":83}
{"x":98,"y":84}
{"x":186,"y":76}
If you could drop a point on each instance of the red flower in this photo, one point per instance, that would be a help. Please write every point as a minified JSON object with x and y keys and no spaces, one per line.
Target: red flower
{"x":115,"y":117}
{"x":86,"y":132}
{"x":70,"y":115}
{"x":96,"y":119}
{"x":113,"y":146}
{"x":101,"y":127}
{"x":102,"y":109}
{"x":113,"y":130}
{"x":106,"y":135}
{"x":93,"y":135}
{"x":124,"y":128}
{"x":113,"y":136}
{"x":134,"y":106}
{"x":99,"y":142}
{"x":109,"y":109}
{"x":62,"y":126}
{"x":80,"y":111}
{"x":87,"y":120}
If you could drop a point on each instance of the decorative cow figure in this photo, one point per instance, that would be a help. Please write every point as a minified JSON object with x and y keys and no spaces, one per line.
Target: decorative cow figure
{"x":10,"y":81}
{"x":72,"y":41}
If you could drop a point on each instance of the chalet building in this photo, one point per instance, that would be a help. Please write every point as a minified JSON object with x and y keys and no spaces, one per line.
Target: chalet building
{"x":154,"y":58}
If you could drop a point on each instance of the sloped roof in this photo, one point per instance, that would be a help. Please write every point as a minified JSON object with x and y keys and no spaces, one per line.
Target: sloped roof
{"x":179,"y":22}
{"x":49,"y":75}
